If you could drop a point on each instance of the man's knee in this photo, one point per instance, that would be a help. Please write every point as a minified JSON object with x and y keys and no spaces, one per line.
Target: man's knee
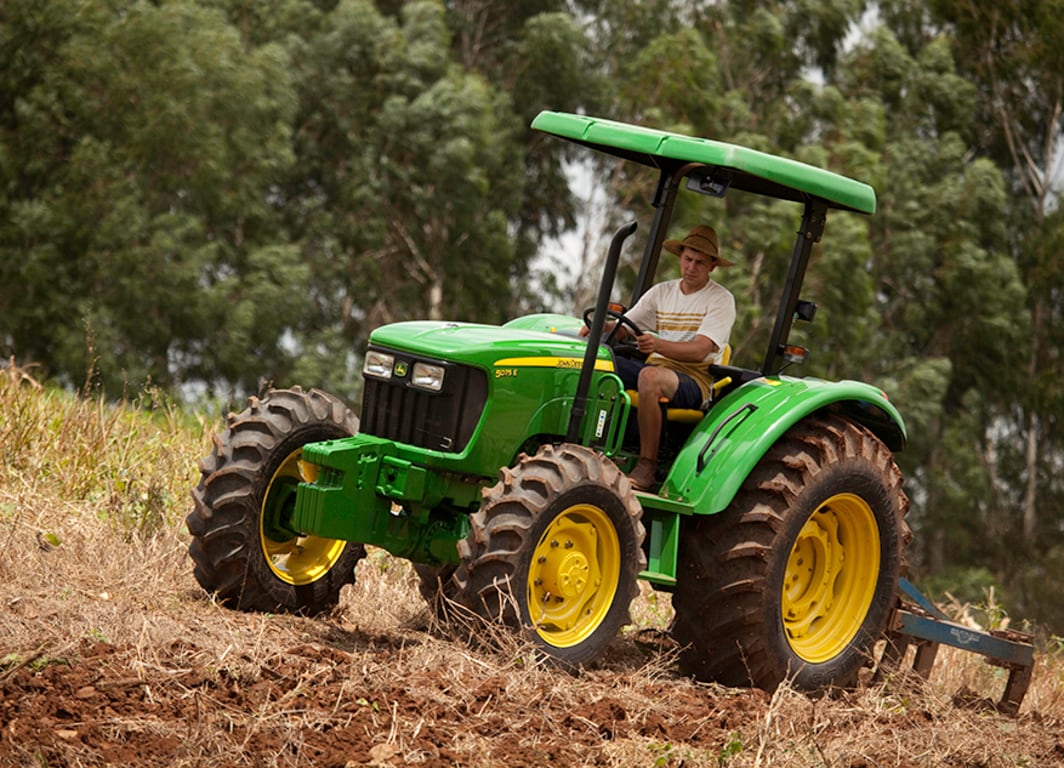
{"x":648,"y":379}
{"x":657,"y":382}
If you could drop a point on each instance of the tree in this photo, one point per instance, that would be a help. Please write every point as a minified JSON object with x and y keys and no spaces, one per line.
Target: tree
{"x":139,"y":242}
{"x":948,"y":291}
{"x":405,"y":175}
{"x":208,"y":192}
{"x":1013,"y":53}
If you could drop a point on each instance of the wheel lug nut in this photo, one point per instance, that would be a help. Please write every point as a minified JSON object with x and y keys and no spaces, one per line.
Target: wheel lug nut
{"x":568,"y":545}
{"x":554,"y":542}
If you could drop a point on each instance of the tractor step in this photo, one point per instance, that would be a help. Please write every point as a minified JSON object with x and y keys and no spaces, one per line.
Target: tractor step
{"x":921,"y":624}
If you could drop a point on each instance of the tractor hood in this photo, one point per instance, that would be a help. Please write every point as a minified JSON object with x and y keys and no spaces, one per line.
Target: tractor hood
{"x":489,"y":346}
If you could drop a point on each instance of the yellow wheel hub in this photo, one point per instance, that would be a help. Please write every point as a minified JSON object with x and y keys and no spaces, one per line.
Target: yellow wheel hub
{"x":831,"y":578}
{"x":573,"y":576}
{"x":300,"y":559}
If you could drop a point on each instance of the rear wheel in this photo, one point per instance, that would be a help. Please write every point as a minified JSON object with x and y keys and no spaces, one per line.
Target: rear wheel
{"x":555,"y":551}
{"x":242,"y":545}
{"x":797,"y":577}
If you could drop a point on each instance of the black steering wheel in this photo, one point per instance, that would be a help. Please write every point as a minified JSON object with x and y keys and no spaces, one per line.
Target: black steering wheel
{"x":621,"y":319}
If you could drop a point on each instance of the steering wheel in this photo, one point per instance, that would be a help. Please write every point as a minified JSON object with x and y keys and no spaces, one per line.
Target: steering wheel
{"x":621,"y":319}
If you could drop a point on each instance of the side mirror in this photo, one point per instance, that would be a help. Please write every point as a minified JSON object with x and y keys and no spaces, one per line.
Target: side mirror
{"x":805,"y":310}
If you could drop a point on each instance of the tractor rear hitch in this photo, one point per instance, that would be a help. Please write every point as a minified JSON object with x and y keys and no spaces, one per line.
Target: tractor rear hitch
{"x":921,"y":624}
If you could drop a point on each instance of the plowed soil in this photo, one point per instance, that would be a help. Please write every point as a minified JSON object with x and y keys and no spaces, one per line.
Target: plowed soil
{"x":111,"y":655}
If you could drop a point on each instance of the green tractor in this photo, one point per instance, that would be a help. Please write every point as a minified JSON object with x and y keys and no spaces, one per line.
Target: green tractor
{"x":494,"y":459}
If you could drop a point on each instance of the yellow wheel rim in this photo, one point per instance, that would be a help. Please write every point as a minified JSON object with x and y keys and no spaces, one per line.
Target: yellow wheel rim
{"x":299,"y":559}
{"x":831,"y":578}
{"x":573,"y":576}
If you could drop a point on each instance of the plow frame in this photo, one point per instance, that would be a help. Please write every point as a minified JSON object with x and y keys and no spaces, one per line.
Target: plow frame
{"x":917,"y":621}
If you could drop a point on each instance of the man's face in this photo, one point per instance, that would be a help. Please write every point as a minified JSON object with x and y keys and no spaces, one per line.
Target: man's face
{"x":695,"y":267}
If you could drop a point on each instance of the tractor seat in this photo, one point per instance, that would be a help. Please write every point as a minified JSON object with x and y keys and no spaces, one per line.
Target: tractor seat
{"x":677,"y":415}
{"x":690,"y":415}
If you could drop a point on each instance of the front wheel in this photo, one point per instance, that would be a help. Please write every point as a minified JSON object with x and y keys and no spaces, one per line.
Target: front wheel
{"x":555,"y":551}
{"x":797,"y":577}
{"x":243,"y":548}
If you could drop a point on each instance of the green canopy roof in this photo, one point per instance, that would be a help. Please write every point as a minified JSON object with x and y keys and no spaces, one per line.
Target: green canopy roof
{"x":748,"y":169}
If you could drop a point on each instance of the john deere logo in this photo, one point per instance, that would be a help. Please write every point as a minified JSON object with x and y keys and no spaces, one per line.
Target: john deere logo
{"x":400,"y":370}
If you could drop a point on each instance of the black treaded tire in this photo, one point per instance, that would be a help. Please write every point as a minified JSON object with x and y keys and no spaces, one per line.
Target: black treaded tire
{"x":796,"y":579}
{"x":436,"y":587}
{"x":254,"y":462}
{"x":555,"y":552}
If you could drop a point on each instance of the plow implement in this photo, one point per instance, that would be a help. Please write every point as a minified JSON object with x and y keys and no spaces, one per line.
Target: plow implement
{"x":919,"y":623}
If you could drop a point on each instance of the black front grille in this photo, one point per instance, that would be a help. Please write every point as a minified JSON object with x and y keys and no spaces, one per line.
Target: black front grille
{"x":440,"y":421}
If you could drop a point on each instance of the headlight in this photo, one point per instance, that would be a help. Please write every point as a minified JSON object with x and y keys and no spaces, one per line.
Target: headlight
{"x":427,"y":376}
{"x":378,"y":364}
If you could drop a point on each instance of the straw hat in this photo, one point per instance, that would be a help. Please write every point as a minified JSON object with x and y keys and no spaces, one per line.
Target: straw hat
{"x":703,"y":239}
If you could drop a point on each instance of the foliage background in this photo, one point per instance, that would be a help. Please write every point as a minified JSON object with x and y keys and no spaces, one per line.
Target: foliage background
{"x":203,"y":196}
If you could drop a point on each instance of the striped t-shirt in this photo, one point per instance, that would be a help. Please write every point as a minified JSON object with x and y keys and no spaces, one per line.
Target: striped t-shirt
{"x":676,"y":316}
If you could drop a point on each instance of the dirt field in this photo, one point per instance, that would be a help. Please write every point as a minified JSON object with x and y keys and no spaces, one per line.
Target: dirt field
{"x":110,"y":655}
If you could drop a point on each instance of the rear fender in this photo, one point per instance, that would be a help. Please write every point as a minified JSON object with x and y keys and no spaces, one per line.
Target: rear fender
{"x":733,"y":437}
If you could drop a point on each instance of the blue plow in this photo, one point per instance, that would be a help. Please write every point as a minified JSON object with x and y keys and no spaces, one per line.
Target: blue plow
{"x":918,"y":622}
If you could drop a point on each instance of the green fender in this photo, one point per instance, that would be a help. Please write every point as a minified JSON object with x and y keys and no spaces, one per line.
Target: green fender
{"x":731,"y":439}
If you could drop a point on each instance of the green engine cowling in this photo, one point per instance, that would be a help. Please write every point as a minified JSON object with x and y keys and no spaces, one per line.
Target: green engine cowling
{"x":445,"y":405}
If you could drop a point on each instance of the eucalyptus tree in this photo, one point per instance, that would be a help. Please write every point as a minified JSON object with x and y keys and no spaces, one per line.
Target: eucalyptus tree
{"x":1013,"y":54}
{"x":953,"y":329}
{"x":139,"y":145}
{"x":406,"y":177}
{"x":542,"y":54}
{"x":224,"y":192}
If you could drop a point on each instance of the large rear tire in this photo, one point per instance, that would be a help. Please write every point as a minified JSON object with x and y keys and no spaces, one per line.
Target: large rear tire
{"x":797,"y":577}
{"x":243,"y":550}
{"x":555,"y":552}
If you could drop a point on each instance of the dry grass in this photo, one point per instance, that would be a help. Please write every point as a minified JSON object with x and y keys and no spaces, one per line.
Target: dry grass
{"x":110,"y":654}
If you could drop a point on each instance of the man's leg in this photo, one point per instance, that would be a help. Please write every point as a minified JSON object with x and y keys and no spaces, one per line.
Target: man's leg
{"x":628,"y":370}
{"x":654,"y":384}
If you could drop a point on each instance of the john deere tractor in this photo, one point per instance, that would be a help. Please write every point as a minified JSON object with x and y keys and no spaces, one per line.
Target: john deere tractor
{"x":494,"y":459}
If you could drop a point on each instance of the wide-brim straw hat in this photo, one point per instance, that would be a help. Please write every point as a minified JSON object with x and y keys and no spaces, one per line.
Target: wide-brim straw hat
{"x":703,"y":239}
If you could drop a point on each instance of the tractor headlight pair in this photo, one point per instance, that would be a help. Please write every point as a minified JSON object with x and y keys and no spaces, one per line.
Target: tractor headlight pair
{"x":423,"y":376}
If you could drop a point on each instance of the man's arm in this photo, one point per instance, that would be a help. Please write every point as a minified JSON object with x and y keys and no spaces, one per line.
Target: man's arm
{"x":694,"y":351}
{"x":622,"y":332}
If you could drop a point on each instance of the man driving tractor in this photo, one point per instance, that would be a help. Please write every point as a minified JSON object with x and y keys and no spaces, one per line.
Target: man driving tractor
{"x":691,"y":319}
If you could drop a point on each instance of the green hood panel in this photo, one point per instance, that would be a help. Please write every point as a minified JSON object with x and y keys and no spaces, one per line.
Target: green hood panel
{"x":729,"y":442}
{"x":488,"y":346}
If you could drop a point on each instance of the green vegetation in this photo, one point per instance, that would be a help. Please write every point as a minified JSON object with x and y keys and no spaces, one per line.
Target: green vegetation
{"x":205,"y":195}
{"x":128,"y":464}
